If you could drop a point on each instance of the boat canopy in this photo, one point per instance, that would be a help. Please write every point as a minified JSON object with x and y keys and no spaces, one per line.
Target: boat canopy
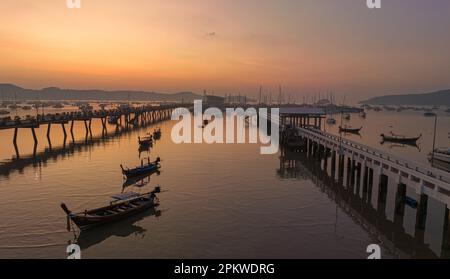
{"x":125,"y":196}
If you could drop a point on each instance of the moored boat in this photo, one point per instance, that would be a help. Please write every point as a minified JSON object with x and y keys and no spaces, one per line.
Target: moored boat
{"x":429,"y":114}
{"x":145,"y":141}
{"x":143,"y":169}
{"x":399,"y":139}
{"x":58,"y":106}
{"x":347,"y":129}
{"x":123,"y":205}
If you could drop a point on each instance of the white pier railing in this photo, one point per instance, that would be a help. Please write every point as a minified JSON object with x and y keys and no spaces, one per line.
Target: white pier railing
{"x":426,"y":179}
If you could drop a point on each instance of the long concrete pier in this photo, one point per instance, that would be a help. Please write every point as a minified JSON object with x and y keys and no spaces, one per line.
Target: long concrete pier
{"x":366,"y":162}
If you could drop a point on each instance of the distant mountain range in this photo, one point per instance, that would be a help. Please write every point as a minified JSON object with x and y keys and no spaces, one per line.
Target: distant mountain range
{"x":10,"y":92}
{"x":438,"y":98}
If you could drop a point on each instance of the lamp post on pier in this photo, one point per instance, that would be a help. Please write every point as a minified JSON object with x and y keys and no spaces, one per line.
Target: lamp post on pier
{"x":434,"y":140}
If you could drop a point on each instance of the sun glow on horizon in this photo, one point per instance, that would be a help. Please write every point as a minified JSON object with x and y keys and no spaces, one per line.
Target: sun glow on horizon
{"x":225,"y":45}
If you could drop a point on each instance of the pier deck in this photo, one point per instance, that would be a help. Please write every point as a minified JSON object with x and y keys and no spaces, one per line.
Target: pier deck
{"x":425,"y":179}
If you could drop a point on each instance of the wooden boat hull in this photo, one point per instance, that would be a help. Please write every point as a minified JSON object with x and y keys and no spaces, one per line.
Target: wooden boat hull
{"x":113,"y":212}
{"x":350,"y":130}
{"x":400,"y":140}
{"x":141,"y":171}
{"x":89,"y":222}
{"x":145,"y":142}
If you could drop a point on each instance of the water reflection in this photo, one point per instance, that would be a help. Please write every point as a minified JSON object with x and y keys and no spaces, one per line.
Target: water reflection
{"x":37,"y":159}
{"x":408,"y":228}
{"x":391,"y":145}
{"x":123,"y":229}
{"x":140,"y":181}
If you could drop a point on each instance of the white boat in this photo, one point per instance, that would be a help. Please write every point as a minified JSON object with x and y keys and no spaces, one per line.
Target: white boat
{"x":441,"y":154}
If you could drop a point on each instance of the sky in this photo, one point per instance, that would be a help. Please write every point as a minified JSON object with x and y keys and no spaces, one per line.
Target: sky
{"x":229,"y":47}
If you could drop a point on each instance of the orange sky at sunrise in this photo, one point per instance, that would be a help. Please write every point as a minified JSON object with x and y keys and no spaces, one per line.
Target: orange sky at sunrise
{"x":227,"y":46}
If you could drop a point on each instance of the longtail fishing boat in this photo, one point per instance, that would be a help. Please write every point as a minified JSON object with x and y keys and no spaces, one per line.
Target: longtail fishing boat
{"x":143,"y":169}
{"x":123,"y":205}
{"x":400,"y":139}
{"x":145,"y":141}
{"x":347,"y":129}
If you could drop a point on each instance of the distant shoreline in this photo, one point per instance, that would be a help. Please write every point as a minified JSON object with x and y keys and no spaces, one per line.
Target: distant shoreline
{"x":10,"y":92}
{"x":437,"y":98}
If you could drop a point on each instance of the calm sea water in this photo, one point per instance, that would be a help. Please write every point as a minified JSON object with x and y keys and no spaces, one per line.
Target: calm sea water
{"x":221,"y":201}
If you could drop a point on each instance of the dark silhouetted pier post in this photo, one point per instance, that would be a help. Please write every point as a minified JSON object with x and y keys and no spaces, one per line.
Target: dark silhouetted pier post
{"x":71,"y":130}
{"x":33,"y":132}
{"x":86,"y":127}
{"x":49,"y":126}
{"x":90,"y":127}
{"x":15,"y":135}
{"x":64,"y":131}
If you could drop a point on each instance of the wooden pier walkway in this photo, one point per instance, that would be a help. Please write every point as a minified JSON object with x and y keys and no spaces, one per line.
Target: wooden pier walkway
{"x":124,"y":116}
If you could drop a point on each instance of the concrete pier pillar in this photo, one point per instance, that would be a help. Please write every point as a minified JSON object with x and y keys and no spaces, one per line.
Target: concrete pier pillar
{"x":358,"y":173}
{"x":352,"y":175}
{"x":382,"y":193}
{"x":347,"y":179}
{"x":333,"y":164}
{"x":341,"y":167}
{"x":421,"y":218}
{"x":376,"y":186}
{"x":400,"y":202}
{"x":365,"y":182}
{"x":370,"y":185}
{"x":392,"y":187}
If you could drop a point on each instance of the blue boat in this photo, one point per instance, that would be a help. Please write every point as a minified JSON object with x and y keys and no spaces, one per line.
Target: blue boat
{"x":411,"y":202}
{"x":143,"y":169}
